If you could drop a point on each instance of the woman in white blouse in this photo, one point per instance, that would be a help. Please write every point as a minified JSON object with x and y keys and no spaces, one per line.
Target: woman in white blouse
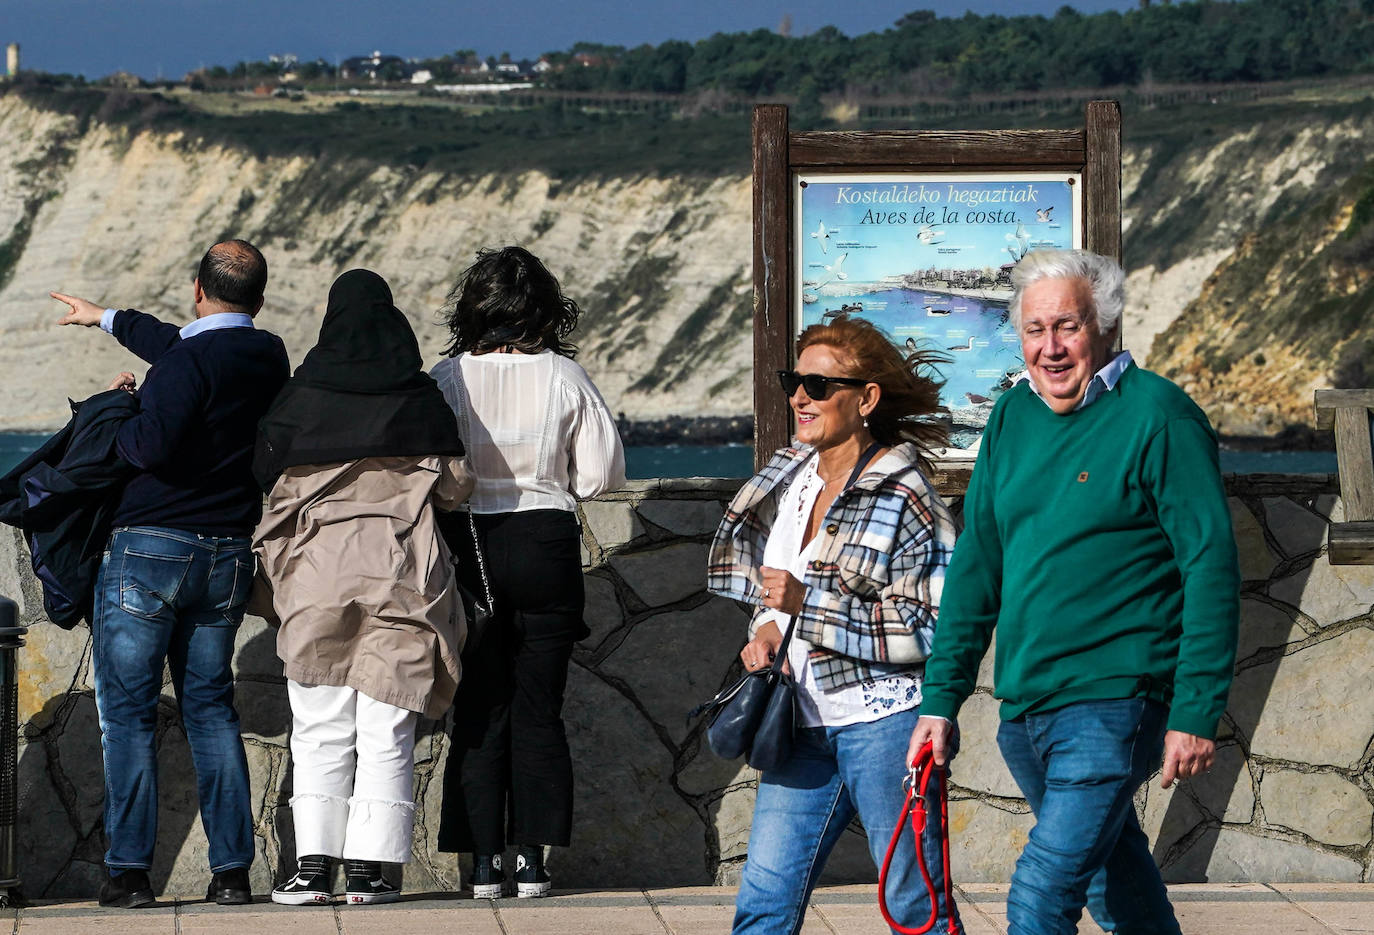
{"x":539,"y":437}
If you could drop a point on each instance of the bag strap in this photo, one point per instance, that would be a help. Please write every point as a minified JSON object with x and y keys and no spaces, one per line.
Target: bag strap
{"x":481,"y":559}
{"x":862,"y":463}
{"x":923,"y":769}
{"x":780,"y":656}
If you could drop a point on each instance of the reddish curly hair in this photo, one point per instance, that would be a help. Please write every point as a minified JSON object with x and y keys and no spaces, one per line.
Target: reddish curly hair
{"x":910,"y":389}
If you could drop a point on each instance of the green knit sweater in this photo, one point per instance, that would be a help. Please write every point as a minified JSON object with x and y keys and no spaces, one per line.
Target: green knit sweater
{"x":1099,"y":546}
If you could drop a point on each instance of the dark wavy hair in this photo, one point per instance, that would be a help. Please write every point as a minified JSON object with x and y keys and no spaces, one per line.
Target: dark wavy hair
{"x":910,"y":397}
{"x":508,"y":298}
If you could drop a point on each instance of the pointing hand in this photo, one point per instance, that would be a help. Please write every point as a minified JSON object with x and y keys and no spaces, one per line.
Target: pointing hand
{"x":79,"y":311}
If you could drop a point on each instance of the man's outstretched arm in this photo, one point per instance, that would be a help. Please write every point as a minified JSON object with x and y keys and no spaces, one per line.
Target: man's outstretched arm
{"x":138,"y":331}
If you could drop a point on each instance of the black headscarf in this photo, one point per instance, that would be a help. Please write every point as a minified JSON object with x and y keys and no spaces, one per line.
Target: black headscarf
{"x":361,"y":391}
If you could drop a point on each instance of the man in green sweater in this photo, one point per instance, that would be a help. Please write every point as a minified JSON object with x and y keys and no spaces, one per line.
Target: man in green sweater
{"x":1098,"y":545}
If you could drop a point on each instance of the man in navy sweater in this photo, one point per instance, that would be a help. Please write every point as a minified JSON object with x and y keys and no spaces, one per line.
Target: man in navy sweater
{"x":178,"y":569}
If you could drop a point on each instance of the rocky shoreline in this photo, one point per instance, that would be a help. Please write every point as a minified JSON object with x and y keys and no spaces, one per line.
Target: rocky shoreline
{"x":734,"y":430}
{"x":1291,"y":438}
{"x":686,"y":430}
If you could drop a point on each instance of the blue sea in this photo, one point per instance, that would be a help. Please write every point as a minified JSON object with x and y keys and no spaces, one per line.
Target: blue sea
{"x":738,"y":460}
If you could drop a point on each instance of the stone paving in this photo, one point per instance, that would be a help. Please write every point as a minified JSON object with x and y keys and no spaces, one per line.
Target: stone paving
{"x":1203,"y":909}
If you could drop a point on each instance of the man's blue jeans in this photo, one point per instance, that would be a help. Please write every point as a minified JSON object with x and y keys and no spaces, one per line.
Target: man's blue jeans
{"x":166,"y":594}
{"x":804,"y":806}
{"x":1079,"y":767}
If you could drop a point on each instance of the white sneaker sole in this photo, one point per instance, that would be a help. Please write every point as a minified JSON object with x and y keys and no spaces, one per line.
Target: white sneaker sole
{"x":301,"y":899}
{"x":372,"y":899}
{"x":532,"y":890}
{"x":488,"y":890}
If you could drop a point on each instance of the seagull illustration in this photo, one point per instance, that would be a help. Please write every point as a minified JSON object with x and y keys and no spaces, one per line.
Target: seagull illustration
{"x":932,"y":311}
{"x":1020,"y":236}
{"x":821,"y":236}
{"x":976,"y":399}
{"x":1015,"y":257}
{"x":927,"y":234}
{"x":964,"y":347}
{"x":1043,"y":214}
{"x":836,"y":270}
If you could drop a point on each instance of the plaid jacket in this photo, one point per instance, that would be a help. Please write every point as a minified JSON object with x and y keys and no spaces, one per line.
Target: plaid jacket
{"x":873,"y":587}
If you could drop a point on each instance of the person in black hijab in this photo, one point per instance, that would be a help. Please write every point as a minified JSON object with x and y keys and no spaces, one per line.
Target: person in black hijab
{"x":360,"y":392}
{"x":357,"y":453}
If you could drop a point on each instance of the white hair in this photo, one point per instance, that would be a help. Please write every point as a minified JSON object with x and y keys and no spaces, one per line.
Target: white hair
{"x":1102,"y":274}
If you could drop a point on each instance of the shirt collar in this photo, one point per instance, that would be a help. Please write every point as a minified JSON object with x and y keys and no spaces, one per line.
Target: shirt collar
{"x":215,"y":322}
{"x":1104,"y":381}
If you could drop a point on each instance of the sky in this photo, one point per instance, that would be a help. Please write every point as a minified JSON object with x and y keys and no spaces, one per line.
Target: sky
{"x":167,"y":38}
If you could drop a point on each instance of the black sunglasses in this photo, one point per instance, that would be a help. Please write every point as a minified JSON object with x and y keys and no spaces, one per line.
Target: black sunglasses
{"x":816,"y":386}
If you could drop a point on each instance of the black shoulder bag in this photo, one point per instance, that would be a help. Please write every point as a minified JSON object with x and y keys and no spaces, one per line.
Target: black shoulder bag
{"x":755,"y":717}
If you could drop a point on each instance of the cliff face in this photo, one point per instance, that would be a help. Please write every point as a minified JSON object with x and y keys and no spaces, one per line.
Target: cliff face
{"x":1197,"y":184}
{"x":660,"y":265}
{"x":1290,"y":311}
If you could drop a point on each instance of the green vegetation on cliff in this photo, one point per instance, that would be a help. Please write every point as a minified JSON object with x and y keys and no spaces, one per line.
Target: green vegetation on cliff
{"x":563,"y":141}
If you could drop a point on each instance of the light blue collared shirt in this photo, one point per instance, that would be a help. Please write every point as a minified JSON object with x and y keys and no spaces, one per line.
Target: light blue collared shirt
{"x":208,"y":323}
{"x":1103,"y":381}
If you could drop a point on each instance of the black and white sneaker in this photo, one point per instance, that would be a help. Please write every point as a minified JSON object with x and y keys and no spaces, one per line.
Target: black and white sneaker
{"x":365,"y":884}
{"x":310,"y":886}
{"x":531,"y":879}
{"x":488,"y":879}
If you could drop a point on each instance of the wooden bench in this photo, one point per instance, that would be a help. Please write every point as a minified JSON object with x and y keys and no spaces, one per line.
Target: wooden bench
{"x":1347,"y":413}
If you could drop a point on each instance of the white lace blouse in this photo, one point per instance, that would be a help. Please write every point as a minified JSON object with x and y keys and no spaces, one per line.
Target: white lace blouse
{"x":538,"y":434}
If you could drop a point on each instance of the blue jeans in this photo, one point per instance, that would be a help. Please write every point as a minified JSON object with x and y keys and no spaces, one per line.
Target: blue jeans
{"x":166,"y":594}
{"x":1079,"y":767}
{"x":804,"y":806}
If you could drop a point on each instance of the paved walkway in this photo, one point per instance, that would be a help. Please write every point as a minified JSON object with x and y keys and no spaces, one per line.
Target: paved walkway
{"x":1203,"y":909}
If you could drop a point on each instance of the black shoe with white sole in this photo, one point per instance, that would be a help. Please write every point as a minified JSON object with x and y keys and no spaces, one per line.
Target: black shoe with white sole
{"x":488,"y":879}
{"x":531,"y":879}
{"x":366,"y":885}
{"x":312,"y":884}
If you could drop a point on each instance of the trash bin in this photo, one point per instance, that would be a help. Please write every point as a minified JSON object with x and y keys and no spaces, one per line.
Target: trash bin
{"x":11,"y":638}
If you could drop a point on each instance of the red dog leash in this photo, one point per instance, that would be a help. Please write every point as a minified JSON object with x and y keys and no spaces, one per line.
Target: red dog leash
{"x":923,"y":769}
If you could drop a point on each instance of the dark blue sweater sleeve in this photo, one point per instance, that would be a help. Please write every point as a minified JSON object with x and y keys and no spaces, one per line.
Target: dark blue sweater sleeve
{"x":170,"y":403}
{"x":145,"y":335}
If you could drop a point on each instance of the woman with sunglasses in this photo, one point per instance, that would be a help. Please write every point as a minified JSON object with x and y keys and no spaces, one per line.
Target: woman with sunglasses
{"x":539,"y":437}
{"x":844,"y":532}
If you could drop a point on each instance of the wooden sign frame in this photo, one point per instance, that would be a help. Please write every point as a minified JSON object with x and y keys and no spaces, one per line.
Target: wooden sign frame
{"x":1094,"y":150}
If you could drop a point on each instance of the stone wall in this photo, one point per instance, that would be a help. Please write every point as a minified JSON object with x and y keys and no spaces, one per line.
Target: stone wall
{"x":1289,"y":800}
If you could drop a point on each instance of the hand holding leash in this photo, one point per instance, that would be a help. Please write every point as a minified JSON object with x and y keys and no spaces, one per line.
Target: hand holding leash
{"x":917,"y":783}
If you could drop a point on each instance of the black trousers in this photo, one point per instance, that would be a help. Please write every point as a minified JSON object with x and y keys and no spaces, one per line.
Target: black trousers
{"x":509,"y":774}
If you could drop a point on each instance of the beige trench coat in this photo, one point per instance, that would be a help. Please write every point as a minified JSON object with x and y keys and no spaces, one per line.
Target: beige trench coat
{"x":360,"y":581}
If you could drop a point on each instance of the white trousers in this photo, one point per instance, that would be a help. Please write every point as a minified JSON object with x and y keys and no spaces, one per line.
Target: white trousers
{"x":354,"y":762}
